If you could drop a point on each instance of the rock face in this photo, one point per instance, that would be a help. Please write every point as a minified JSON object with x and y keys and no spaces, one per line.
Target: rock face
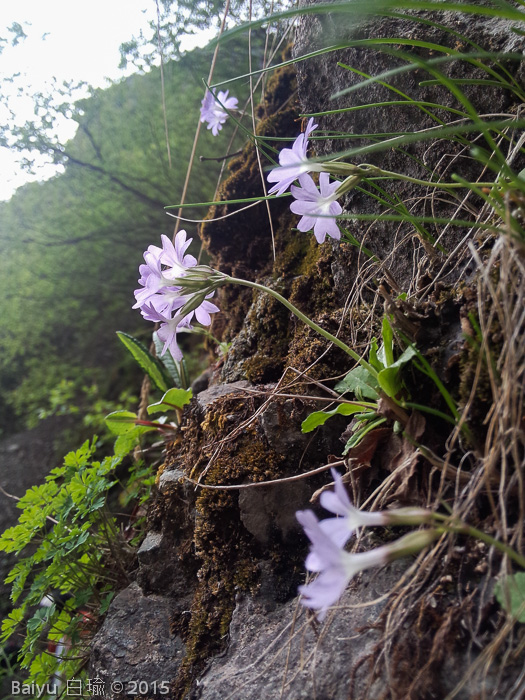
{"x":275,"y":648}
{"x":214,"y":608}
{"x":137,"y":645}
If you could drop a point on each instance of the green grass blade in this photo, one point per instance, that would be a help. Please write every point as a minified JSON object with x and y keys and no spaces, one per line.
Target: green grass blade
{"x":361,"y":9}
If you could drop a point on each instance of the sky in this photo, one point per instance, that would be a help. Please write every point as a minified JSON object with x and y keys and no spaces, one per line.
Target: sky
{"x":68,"y":40}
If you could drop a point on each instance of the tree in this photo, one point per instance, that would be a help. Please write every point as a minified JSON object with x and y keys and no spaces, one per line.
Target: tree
{"x":72,"y":245}
{"x":187,"y":17}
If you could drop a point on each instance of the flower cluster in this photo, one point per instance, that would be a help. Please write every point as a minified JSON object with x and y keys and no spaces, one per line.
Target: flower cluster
{"x":327,"y":556}
{"x":317,"y":207}
{"x":161,"y":297}
{"x":213,"y":109}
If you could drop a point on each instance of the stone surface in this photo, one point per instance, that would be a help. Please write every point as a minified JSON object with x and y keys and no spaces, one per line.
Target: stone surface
{"x":170,"y":477}
{"x":208,"y":396}
{"x":135,"y":643}
{"x":150,"y":548}
{"x":264,"y":509}
{"x":281,"y":652}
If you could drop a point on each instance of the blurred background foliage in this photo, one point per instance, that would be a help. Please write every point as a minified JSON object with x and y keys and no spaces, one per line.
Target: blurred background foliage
{"x":71,"y":245}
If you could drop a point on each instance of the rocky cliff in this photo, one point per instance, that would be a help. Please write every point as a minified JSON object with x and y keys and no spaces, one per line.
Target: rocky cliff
{"x":214,"y":612}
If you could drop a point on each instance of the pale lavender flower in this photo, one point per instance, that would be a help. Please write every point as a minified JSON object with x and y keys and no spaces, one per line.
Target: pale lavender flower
{"x":292,"y":162}
{"x":167,"y":331}
{"x":203,"y":311}
{"x":213,"y":113}
{"x":151,"y":278}
{"x":317,"y":207}
{"x":163,"y":297}
{"x":336,"y":567}
{"x":342,"y":528}
{"x":159,"y":312}
{"x":173,"y":256}
{"x":162,"y":266}
{"x":172,"y":300}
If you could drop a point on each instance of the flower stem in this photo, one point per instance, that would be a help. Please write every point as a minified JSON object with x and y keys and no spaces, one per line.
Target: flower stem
{"x":425,"y":183}
{"x":356,"y":173}
{"x":305,"y":319}
{"x":464,"y":529}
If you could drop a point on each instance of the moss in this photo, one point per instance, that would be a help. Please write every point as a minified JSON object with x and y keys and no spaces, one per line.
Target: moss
{"x":227,"y":553}
{"x":261,"y":369}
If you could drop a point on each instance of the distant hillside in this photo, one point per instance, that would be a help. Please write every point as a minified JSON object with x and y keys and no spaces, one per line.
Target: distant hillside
{"x":71,"y":246}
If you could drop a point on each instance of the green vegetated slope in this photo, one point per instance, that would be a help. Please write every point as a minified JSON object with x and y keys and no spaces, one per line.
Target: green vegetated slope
{"x":71,"y":246}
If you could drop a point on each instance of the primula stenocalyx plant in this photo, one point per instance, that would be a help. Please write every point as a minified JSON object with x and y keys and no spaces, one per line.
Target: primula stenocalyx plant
{"x":161,"y":299}
{"x":317,"y":207}
{"x":213,"y":109}
{"x":336,"y":567}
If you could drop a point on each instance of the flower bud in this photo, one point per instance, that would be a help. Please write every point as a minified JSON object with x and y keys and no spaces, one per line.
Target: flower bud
{"x":412,"y":543}
{"x":408,"y":516}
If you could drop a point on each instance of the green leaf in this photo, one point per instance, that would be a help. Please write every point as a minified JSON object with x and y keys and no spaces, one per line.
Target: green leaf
{"x":151,"y":365}
{"x":389,"y":378}
{"x":373,"y":356}
{"x":40,"y":618}
{"x":510,"y":594}
{"x":360,"y":382}
{"x":18,"y":577}
{"x":388,"y":342}
{"x":173,"y":368}
{"x":389,"y":381}
{"x":318,"y":418}
{"x":121,"y":422}
{"x":11,"y":622}
{"x":79,"y":458}
{"x":15,"y":538}
{"x":106,"y":602}
{"x":56,"y":633}
{"x":360,"y":434}
{"x":42,"y":668}
{"x":173,"y":398}
{"x":128,"y":441}
{"x":407,"y":355}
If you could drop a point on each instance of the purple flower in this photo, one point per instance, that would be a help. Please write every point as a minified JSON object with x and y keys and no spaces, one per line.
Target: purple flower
{"x":154,"y":278}
{"x":317,"y":207}
{"x":203,"y":311}
{"x":170,"y":299}
{"x":342,"y":528}
{"x":327,"y":557}
{"x":213,"y":113}
{"x":293,"y":162}
{"x":162,"y":298}
{"x":173,"y":256}
{"x":168,"y":329}
{"x":336,"y":567}
{"x":156,"y":312}
{"x":151,"y":278}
